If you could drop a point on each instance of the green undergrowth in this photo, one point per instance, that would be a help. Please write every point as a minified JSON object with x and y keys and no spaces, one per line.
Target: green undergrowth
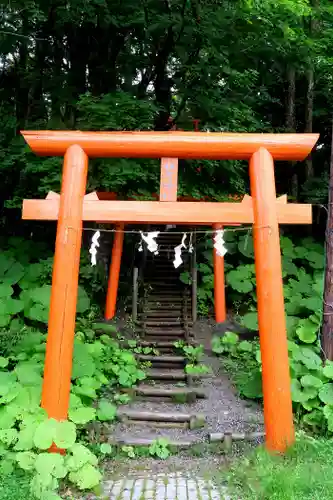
{"x":304,"y":472}
{"x":101,"y":367}
{"x":311,"y":378}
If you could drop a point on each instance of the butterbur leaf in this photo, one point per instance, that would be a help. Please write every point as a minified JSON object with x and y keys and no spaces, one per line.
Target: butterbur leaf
{"x":37,"y":312}
{"x":78,"y":456}
{"x":4,"y":320}
{"x":7,"y":420}
{"x":26,"y":460}
{"x":311,"y":381}
{"x":51,"y":464}
{"x":86,"y":478}
{"x":3,"y":362}
{"x":28,"y":373}
{"x":307,"y":331}
{"x":230,"y":338}
{"x":105,"y":449}
{"x":82,"y":415}
{"x":106,"y":410}
{"x":6,"y":291}
{"x":6,"y":467}
{"x":65,"y":434}
{"x":13,"y":274}
{"x":87,"y":391}
{"x":250,"y":321}
{"x":140,"y":374}
{"x":42,"y":485}
{"x":44,"y":434}
{"x":8,"y":436}
{"x":328,"y":369}
{"x":26,"y":438}
{"x":326,"y":394}
{"x":245,"y":346}
{"x":308,"y":357}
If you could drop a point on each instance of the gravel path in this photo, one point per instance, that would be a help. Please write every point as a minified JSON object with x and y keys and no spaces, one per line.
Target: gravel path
{"x":223,"y":409}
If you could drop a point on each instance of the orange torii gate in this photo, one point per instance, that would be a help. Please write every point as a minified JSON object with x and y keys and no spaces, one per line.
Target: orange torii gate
{"x":262,"y":210}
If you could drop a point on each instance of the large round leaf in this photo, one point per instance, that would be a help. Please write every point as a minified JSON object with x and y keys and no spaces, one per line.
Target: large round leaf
{"x":65,"y":434}
{"x":5,"y":291}
{"x":82,"y":415}
{"x":79,"y":455}
{"x":51,"y":463}
{"x":106,"y":411}
{"x":13,"y":274}
{"x":328,"y":369}
{"x":26,"y":460}
{"x":307,"y":331}
{"x":326,"y":394}
{"x":44,"y":434}
{"x":87,"y":477}
{"x":37,"y":312}
{"x":311,"y":381}
{"x":308,"y":357}
{"x":250,"y":321}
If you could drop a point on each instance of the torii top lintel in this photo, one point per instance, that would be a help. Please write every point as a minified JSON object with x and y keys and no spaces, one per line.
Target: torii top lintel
{"x":175,"y":144}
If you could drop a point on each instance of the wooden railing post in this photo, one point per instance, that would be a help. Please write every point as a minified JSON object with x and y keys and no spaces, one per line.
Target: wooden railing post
{"x":219,"y":286}
{"x":60,"y":339}
{"x":113,"y":283}
{"x":135,"y":294}
{"x":271,"y":315}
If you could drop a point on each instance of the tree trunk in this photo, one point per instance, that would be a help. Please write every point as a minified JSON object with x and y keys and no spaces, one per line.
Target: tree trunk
{"x":327,"y":328}
{"x":291,"y":122}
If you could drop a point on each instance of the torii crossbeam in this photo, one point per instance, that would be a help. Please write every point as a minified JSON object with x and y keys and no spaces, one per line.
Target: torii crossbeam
{"x":263,"y":210}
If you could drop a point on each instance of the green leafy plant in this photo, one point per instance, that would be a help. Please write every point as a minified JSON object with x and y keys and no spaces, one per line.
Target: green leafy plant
{"x":311,"y":387}
{"x":193,"y":355}
{"x":160,"y":448}
{"x":25,"y":431}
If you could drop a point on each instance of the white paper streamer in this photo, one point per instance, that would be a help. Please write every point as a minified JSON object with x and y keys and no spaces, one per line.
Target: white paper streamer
{"x":150,"y":241}
{"x":219,"y":243}
{"x":178,"y":252}
{"x":93,"y":247}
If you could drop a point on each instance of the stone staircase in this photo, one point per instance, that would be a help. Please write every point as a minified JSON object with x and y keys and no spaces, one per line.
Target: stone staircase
{"x":164,"y":319}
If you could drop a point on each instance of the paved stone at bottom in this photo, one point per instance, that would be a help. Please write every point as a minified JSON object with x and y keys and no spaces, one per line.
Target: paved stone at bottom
{"x":172,"y":486}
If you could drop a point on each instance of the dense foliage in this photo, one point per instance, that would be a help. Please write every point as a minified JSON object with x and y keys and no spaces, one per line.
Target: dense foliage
{"x":101,"y":367}
{"x":244,"y":65}
{"x":312,"y":386}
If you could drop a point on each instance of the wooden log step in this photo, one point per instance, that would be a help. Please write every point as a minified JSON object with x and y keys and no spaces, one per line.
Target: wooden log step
{"x":163,"y":335}
{"x":162,"y":330}
{"x":158,"y":425}
{"x":154,"y":373}
{"x":156,"y":416}
{"x":141,"y":441}
{"x":165,"y":306}
{"x":163,"y":322}
{"x":164,"y":359}
{"x":163,"y":315}
{"x":169,"y":392}
{"x":167,"y":344}
{"x":215,"y":437}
